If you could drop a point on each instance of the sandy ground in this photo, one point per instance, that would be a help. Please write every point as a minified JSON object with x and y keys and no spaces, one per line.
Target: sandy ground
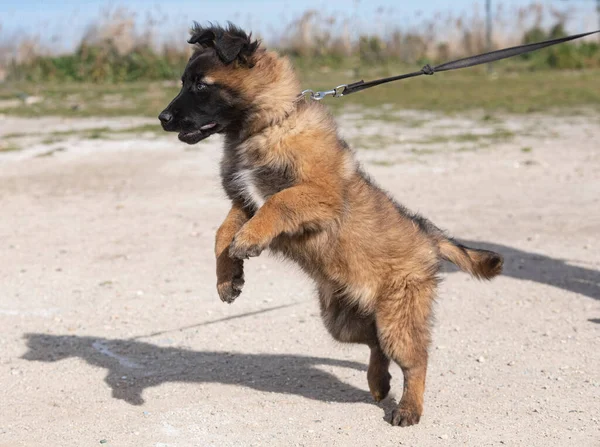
{"x":111,"y":331}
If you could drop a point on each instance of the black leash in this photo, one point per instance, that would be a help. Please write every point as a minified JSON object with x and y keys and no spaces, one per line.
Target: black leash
{"x":484,"y":58}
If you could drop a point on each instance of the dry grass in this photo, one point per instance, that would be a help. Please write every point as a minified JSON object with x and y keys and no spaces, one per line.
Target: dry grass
{"x":118,"y":47}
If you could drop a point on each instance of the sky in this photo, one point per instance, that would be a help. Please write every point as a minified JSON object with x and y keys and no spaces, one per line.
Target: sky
{"x":64,"y":22}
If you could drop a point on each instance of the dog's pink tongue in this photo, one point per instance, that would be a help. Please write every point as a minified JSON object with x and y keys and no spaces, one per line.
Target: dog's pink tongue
{"x":208,"y":126}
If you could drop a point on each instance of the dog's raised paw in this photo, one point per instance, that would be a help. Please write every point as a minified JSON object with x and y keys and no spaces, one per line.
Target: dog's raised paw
{"x":230,"y":290}
{"x":244,"y":250}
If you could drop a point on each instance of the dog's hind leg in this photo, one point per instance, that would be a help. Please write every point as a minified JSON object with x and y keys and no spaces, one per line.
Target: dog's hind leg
{"x":347,"y":324}
{"x":378,"y":374}
{"x":403,"y":328}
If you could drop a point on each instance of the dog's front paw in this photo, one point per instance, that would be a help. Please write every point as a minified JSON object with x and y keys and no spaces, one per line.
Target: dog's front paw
{"x":231,"y":280}
{"x":231,"y":288}
{"x":245,"y":246}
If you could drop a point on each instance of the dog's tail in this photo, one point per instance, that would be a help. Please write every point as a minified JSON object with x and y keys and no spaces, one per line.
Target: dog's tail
{"x":482,"y":264}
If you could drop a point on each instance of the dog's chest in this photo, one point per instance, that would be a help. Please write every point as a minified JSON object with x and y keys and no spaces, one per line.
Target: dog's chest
{"x":254,"y":185}
{"x":247,"y":186}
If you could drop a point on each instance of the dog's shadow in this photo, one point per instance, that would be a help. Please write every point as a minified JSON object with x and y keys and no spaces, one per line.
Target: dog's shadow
{"x":542,"y":269}
{"x":134,"y":366}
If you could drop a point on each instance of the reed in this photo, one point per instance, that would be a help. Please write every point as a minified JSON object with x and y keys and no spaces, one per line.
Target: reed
{"x":118,"y":48}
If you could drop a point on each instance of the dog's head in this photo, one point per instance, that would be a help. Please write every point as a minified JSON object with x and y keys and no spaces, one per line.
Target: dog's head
{"x":217,"y":84}
{"x":229,"y":82}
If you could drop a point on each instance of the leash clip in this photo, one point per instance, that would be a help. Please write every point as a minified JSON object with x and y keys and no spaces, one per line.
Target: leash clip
{"x":317,"y":96}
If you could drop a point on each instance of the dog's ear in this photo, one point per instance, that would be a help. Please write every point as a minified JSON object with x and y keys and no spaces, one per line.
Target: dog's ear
{"x":230,"y":44}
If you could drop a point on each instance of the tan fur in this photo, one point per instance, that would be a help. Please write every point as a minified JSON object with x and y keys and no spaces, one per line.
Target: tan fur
{"x":480,"y":263}
{"x":375,"y":264}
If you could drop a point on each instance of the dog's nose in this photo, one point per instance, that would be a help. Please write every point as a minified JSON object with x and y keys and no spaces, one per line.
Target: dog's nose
{"x":165,"y":117}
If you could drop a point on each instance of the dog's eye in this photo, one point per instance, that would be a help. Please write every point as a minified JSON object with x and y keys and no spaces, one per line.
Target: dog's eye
{"x":200,"y":86}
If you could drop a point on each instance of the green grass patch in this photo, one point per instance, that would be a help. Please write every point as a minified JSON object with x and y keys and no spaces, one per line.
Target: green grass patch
{"x":470,"y":89}
{"x":496,"y":135}
{"x":51,"y":140}
{"x":391,"y":117}
{"x":422,"y":151}
{"x":50,"y":153}
{"x":9,"y":147}
{"x":376,"y":141}
{"x":451,"y":92}
{"x":94,"y":133}
{"x":386,"y":163}
{"x":15,"y":135}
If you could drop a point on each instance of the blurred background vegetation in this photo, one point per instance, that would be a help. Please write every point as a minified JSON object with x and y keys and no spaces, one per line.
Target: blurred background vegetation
{"x":117,"y":50}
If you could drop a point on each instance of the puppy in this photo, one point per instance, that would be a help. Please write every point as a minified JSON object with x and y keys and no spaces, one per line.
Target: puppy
{"x":297,"y":190}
